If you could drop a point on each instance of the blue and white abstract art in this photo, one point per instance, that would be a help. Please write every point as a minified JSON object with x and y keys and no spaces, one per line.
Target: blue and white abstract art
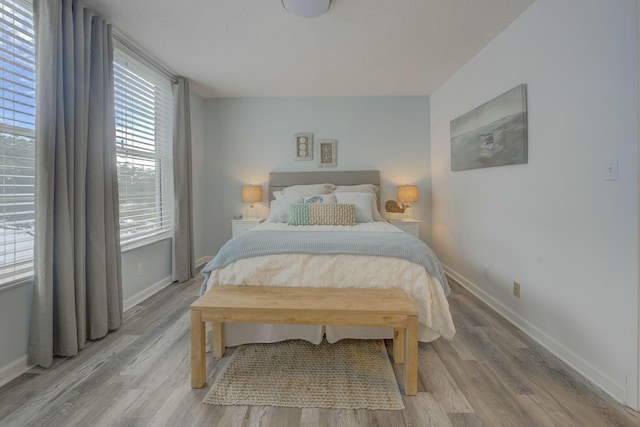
{"x":493,"y":134}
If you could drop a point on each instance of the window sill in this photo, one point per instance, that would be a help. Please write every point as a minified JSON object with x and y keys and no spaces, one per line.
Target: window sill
{"x":17,"y":284}
{"x":148,"y":240}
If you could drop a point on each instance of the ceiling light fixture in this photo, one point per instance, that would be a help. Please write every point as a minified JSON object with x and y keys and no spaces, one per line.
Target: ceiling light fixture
{"x":306,"y":8}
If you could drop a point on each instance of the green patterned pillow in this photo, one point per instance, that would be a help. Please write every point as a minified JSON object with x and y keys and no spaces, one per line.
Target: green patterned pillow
{"x":299,"y":214}
{"x":322,"y":214}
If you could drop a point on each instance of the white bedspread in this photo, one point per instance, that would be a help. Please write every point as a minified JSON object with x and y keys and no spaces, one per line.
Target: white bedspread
{"x":303,"y":270}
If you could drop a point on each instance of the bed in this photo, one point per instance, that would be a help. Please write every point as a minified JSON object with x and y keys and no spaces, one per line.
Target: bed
{"x":369,"y":253}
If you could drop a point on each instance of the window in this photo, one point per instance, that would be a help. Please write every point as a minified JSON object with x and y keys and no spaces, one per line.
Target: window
{"x":144,"y":120}
{"x":17,"y":141}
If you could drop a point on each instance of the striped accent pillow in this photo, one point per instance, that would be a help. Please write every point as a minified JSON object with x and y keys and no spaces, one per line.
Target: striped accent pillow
{"x":322,"y":214}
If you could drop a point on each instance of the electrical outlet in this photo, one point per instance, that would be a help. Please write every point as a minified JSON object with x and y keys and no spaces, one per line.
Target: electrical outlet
{"x":487,"y":272}
{"x":611,"y":170}
{"x":516,"y":289}
{"x":140,"y":269}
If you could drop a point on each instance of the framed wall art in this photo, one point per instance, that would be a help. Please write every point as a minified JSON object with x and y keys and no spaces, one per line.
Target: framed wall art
{"x":327,"y":153}
{"x":304,"y":146}
{"x":493,"y":134}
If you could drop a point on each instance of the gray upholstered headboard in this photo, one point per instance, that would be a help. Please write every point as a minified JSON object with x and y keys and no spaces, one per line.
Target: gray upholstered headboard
{"x":279,"y":180}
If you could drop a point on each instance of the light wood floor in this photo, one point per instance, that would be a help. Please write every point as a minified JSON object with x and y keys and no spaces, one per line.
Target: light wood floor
{"x":489,"y":375}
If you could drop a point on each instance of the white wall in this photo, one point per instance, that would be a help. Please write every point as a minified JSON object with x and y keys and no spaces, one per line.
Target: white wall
{"x":15,"y":318}
{"x":155,"y":260}
{"x":555,"y":225}
{"x":248,"y":138}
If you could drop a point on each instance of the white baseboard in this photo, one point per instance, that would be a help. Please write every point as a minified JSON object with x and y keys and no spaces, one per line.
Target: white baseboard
{"x":603,"y":381}
{"x":14,"y":370}
{"x":147,"y":292}
{"x":202,"y":261}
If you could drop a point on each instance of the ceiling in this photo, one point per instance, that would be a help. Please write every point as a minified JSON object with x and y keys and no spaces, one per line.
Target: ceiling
{"x":254,"y":48}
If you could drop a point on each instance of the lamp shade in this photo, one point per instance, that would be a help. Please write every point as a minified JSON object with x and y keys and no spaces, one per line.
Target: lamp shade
{"x":407,"y":193}
{"x":251,"y":193}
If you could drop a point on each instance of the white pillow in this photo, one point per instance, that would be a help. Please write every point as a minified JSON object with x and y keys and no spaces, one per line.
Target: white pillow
{"x":361,"y":200}
{"x":360,"y":188}
{"x":303,"y":191}
{"x":321,"y":198}
{"x":364,"y":188}
{"x":279,"y":211}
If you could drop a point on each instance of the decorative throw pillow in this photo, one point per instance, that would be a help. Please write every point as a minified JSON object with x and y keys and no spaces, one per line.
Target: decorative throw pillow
{"x":279,"y":211}
{"x":332,"y":214}
{"x":299,"y":214}
{"x":362,"y":201}
{"x":321,"y":198}
{"x":322,"y":214}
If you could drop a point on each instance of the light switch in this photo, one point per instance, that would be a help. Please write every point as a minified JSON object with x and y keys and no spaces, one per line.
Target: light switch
{"x":611,"y":171}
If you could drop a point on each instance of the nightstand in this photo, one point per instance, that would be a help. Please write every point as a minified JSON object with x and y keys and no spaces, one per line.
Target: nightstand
{"x":239,"y":226}
{"x":408,"y":225}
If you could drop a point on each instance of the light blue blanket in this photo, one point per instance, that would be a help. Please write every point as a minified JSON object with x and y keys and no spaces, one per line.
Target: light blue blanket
{"x":372,"y":243}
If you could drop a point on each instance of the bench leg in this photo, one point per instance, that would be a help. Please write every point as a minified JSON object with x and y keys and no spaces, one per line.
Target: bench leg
{"x":411,"y":364}
{"x":218,"y":339}
{"x":398,"y":345}
{"x":198,"y":361}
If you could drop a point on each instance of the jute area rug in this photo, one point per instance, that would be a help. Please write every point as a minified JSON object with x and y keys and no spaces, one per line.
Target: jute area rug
{"x":349,"y":374}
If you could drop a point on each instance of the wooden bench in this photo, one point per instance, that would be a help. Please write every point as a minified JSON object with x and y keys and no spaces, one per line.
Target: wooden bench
{"x":305,"y":306}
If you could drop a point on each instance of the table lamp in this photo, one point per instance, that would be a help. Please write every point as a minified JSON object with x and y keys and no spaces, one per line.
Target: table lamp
{"x":251,"y":194}
{"x":408,"y":194}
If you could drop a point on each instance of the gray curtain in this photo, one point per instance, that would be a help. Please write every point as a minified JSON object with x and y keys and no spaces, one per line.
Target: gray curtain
{"x":183,"y":258}
{"x":77,"y":283}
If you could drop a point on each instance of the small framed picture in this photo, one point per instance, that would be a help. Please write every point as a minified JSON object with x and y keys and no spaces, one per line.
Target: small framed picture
{"x":327,"y":153}
{"x":304,"y":146}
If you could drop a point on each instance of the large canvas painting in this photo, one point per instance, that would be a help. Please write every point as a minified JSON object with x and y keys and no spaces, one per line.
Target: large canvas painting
{"x":493,"y":134}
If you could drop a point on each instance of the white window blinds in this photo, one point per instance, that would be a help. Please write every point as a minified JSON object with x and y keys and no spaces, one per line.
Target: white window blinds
{"x":143,"y":107}
{"x":17,"y":141}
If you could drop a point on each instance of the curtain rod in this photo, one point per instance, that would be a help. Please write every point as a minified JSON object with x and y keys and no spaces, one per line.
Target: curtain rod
{"x":134,"y":49}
